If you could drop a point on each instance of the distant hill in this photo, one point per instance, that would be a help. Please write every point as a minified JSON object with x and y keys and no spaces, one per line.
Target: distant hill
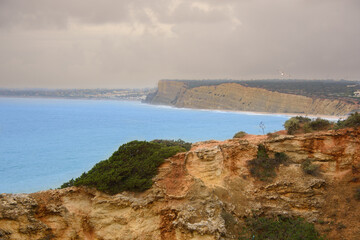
{"x":322,"y":97}
{"x":311,"y":88}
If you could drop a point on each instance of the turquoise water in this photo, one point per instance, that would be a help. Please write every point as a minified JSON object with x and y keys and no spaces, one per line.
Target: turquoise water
{"x":45,"y":142}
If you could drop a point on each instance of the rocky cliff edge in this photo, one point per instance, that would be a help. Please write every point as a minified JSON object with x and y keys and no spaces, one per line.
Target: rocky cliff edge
{"x":205,"y":193}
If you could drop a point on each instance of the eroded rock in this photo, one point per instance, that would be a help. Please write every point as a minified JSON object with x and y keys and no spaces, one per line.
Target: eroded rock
{"x":205,"y":193}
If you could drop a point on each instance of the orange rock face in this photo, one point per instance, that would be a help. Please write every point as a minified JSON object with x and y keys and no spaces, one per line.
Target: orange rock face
{"x":206,"y":193}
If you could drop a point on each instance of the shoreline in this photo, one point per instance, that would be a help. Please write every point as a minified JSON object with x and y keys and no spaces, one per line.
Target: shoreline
{"x":74,"y":98}
{"x":328,"y":117}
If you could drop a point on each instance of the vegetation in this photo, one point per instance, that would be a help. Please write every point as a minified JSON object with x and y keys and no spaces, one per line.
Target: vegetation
{"x":263,"y":167}
{"x":352,"y":121}
{"x":357,"y":194}
{"x":240,"y":134}
{"x":295,"y":123}
{"x":272,"y":135}
{"x":300,"y":124}
{"x":317,"y":125}
{"x":309,"y":168}
{"x":172,"y":143}
{"x":315,"y":88}
{"x":130,"y":168}
{"x":261,"y":228}
{"x":205,"y":82}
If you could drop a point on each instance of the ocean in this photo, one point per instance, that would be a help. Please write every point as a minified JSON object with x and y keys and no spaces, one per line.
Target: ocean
{"x":46,"y":142}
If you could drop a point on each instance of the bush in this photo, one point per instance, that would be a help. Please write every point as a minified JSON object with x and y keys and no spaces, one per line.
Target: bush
{"x":295,"y":123}
{"x":317,"y":125}
{"x":302,"y":119}
{"x":240,"y":134}
{"x":262,"y":152}
{"x":261,"y":228}
{"x":309,"y":168}
{"x":130,"y":168}
{"x":272,"y":135}
{"x":357,"y":194}
{"x":292,"y":125}
{"x":304,"y":124}
{"x":263,"y":167}
{"x":281,"y":157}
{"x":170,"y":143}
{"x":352,"y":121}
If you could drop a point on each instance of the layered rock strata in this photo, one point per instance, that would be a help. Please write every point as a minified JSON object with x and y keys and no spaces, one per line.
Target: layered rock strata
{"x":235,"y":97}
{"x":205,"y":193}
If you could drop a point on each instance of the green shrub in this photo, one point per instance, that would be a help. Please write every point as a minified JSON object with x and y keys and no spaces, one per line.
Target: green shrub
{"x":263,"y":167}
{"x":240,"y":134}
{"x":130,"y":168}
{"x":302,"y":119}
{"x":281,"y":157}
{"x":357,"y":193}
{"x":292,"y":125}
{"x":70,"y":183}
{"x":262,"y":152}
{"x":352,"y":121}
{"x":304,"y":124}
{"x":272,"y":135}
{"x":309,"y":168}
{"x":170,"y":143}
{"x":295,"y":123}
{"x":317,"y":125}
{"x":261,"y":228}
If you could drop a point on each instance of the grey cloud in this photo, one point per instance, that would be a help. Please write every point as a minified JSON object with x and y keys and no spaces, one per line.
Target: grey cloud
{"x":53,"y":13}
{"x":135,"y":43}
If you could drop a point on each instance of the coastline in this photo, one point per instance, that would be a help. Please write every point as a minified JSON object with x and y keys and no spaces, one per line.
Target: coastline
{"x":328,"y":117}
{"x":73,"y":98}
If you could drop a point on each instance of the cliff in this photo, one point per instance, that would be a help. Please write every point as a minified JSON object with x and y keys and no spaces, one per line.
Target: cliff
{"x":236,"y":97}
{"x":205,"y":193}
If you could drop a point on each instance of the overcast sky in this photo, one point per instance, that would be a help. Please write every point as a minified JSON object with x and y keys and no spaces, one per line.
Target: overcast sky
{"x":135,"y":43}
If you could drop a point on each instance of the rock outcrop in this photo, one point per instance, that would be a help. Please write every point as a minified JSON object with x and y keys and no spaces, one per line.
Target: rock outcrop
{"x":205,"y":193}
{"x":235,"y":97}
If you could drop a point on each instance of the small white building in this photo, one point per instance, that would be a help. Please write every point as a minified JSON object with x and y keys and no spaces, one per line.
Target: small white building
{"x":357,"y":93}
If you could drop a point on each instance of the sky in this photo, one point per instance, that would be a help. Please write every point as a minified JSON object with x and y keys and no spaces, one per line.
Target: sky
{"x":135,"y":43}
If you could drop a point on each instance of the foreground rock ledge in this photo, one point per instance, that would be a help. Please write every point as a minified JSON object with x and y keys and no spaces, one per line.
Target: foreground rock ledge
{"x":205,"y":193}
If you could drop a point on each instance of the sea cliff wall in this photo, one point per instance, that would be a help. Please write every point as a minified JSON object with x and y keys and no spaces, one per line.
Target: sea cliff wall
{"x":206,"y":193}
{"x":235,"y":97}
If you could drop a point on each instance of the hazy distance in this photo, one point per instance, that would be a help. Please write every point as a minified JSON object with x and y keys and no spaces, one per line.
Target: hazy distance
{"x":120,"y":44}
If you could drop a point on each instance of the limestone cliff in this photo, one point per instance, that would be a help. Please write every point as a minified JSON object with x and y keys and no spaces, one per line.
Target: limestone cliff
{"x":233,"y":96}
{"x":205,"y":193}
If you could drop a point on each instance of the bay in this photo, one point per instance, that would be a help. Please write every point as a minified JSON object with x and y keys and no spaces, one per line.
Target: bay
{"x":45,"y":142}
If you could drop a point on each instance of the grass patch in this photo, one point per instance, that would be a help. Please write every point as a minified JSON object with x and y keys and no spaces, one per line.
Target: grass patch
{"x":261,"y":228}
{"x":130,"y":168}
{"x":263,"y":167}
